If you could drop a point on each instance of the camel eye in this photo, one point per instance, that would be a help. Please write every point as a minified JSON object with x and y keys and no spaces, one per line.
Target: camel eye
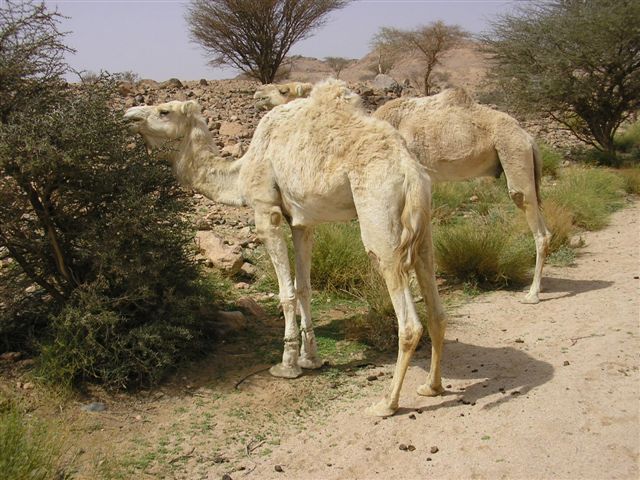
{"x":164,"y":112}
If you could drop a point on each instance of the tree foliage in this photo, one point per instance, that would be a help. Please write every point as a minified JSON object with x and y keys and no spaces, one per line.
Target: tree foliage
{"x":427,"y":43}
{"x":255,"y":35}
{"x":102,"y":271}
{"x":577,"y":61}
{"x":337,"y":64}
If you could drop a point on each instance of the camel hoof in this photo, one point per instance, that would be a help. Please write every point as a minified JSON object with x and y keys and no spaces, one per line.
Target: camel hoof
{"x":381,"y":409}
{"x":427,"y":390}
{"x":310,"y":363}
{"x":530,"y":299}
{"x":285,"y":371}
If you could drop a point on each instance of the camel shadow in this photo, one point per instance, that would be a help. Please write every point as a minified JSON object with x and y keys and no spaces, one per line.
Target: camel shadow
{"x":502,"y":373}
{"x":571,"y":287}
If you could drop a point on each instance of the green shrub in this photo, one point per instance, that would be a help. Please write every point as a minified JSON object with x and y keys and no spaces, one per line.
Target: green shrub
{"x":488,"y":250}
{"x":450,"y":199}
{"x":551,"y":159}
{"x":339,"y":261}
{"x":103,"y":252}
{"x":590,"y":194}
{"x":28,"y":449}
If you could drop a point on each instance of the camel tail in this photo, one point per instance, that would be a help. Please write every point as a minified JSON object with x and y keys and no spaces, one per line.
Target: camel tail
{"x":415,"y":218}
{"x":537,"y":169}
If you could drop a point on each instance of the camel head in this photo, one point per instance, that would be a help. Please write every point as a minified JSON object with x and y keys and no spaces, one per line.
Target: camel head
{"x":272,"y":95}
{"x":165,"y":122}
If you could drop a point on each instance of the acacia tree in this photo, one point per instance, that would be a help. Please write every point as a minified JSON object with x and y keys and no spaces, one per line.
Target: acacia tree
{"x":255,"y":35}
{"x":577,"y":61}
{"x":337,"y":64}
{"x":32,"y":53}
{"x":427,"y":43}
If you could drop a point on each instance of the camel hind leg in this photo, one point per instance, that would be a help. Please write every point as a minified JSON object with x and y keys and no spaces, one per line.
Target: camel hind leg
{"x":380,"y":241}
{"x":523,"y":171}
{"x":436,"y":318}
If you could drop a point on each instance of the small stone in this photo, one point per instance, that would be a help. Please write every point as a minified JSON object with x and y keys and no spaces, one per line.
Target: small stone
{"x":418,"y":410}
{"x":27,"y":386}
{"x":412,"y":416}
{"x":226,"y":476}
{"x":138,"y":417}
{"x":428,"y":459}
{"x":434,"y":449}
{"x":566,"y":363}
{"x":519,"y":340}
{"x":411,"y":448}
{"x":94,"y":407}
{"x":278,"y":468}
{"x":372,"y":378}
{"x":10,"y":356}
{"x":402,"y":447}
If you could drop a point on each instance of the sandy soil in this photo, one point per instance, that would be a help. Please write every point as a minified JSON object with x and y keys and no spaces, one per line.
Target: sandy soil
{"x":544,"y":391}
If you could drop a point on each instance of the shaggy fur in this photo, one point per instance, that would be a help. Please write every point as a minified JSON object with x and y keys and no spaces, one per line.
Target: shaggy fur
{"x":318,"y":160}
{"x":458,"y":139}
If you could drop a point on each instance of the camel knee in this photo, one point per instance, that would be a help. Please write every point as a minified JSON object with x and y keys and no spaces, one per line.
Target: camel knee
{"x":517,"y":197}
{"x":409,"y":337}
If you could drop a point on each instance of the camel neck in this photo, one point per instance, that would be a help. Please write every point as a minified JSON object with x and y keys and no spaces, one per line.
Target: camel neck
{"x":198,"y":164}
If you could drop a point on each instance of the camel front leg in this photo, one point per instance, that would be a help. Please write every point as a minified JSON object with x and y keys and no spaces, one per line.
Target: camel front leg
{"x":302,"y":243}
{"x":268,"y":228}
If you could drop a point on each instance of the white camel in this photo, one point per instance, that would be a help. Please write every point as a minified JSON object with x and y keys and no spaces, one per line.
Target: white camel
{"x":320,"y":159}
{"x":458,"y":139}
{"x":272,"y":94}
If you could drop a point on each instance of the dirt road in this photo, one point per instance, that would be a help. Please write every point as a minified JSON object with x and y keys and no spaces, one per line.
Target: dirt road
{"x":533,"y":392}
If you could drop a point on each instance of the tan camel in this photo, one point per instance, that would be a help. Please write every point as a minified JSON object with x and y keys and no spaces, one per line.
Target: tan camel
{"x":320,"y":159}
{"x":272,"y":95}
{"x":458,"y":139}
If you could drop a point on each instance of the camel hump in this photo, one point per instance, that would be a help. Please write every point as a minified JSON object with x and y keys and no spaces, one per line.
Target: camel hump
{"x":332,"y":91}
{"x":456,"y":96}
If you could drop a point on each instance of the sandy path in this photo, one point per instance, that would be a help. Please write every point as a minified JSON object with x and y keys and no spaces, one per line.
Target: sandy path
{"x":534,"y":392}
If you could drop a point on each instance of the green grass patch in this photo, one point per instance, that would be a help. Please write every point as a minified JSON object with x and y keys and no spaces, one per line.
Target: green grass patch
{"x":631,"y":178}
{"x":29,"y":449}
{"x":590,"y":194}
{"x":487,"y":250}
{"x":551,"y":159}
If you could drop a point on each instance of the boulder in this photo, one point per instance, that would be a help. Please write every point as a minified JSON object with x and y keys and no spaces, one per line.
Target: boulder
{"x":171,"y":83}
{"x":234,"y":129}
{"x":386,"y":83}
{"x":251,"y":307}
{"x":222,"y":256}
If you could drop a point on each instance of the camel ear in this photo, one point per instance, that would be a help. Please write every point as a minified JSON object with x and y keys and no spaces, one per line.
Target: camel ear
{"x":303,"y":90}
{"x":283,"y":89}
{"x":191,"y":107}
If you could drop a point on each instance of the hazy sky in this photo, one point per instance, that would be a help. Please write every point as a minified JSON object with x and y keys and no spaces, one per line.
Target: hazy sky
{"x":150,"y":37}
